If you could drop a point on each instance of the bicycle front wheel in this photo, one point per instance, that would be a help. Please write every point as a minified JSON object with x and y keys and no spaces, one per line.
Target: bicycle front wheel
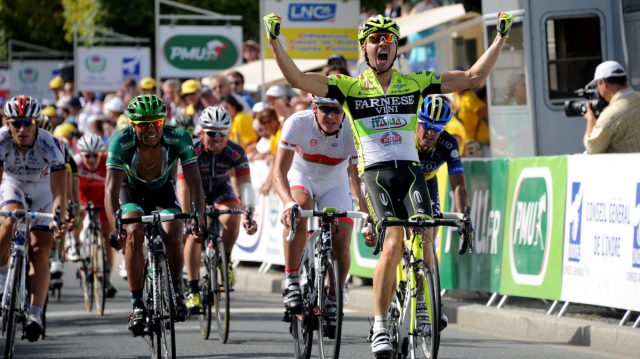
{"x":10,"y":312}
{"x":427,"y":345}
{"x":206,"y":295}
{"x":164,"y":313}
{"x":330,"y":319}
{"x":99,"y":277}
{"x":86,"y":276}
{"x":221,"y":288}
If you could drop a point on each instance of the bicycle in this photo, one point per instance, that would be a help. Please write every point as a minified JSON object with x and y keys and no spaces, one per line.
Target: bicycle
{"x":92,"y":271}
{"x":15,"y":299}
{"x":159,"y":293}
{"x":417,"y":284}
{"x":215,"y":288}
{"x":319,"y":278}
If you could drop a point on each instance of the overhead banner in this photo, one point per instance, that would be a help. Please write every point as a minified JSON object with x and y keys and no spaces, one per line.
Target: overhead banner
{"x":31,"y":77}
{"x":105,"y":68}
{"x":479,"y":270}
{"x":5,"y":86}
{"x":534,"y":222}
{"x":198,"y":51}
{"x":317,"y":29}
{"x":601,"y":263}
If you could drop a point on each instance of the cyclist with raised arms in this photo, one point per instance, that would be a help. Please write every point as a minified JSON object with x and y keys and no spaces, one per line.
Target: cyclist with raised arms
{"x":316,"y":165}
{"x":140,"y":167}
{"x":92,"y":171}
{"x":218,"y":159}
{"x":32,"y":169}
{"x":382,"y":106}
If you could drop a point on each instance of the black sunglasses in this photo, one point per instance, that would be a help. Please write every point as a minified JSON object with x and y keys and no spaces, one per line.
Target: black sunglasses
{"x":331,"y":109}
{"x":212,"y":133}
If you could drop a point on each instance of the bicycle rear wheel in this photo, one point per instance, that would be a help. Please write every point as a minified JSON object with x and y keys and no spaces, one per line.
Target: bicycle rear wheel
{"x":302,"y":324}
{"x":221,"y":288}
{"x":206,"y":294}
{"x":164,"y":313}
{"x":99,"y":278}
{"x":10,"y":313}
{"x":427,"y":346}
{"x":328,"y":335}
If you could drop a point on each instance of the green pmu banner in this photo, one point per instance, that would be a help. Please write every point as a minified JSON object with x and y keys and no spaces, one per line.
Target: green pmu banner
{"x":533,"y":228}
{"x":479,"y":270}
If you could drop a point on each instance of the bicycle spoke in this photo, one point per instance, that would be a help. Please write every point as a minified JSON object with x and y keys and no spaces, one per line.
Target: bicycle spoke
{"x":98,"y":259}
{"x":302,"y":325}
{"x":165,"y":312}
{"x":427,"y":345}
{"x":206,"y":295}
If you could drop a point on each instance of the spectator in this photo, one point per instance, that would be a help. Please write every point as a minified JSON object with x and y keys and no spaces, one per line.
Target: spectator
{"x":130,"y":89}
{"x":190,"y":93}
{"x":424,"y":6}
{"x":51,"y":115}
{"x":236,"y":82}
{"x":337,"y":60}
{"x":220,"y":87}
{"x":207,"y":98}
{"x":473,"y":114}
{"x":241,"y":131}
{"x":250,"y":51}
{"x":71,"y":109}
{"x":335,"y":70}
{"x":616,"y":130}
{"x":272,"y":129}
{"x":278,"y":100}
{"x":256,"y":109}
{"x":299,"y":103}
{"x":56,"y":85}
{"x":114,"y":110}
{"x":392,"y":9}
{"x":68,"y":89}
{"x":147,"y":85}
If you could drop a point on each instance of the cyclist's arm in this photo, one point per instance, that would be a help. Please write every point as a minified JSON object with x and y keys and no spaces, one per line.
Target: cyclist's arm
{"x":113,"y":184}
{"x":453,"y":81}
{"x":354,"y":185}
{"x":459,"y":191}
{"x":281,"y":167}
{"x":184,"y":197}
{"x":59,"y":190}
{"x":316,"y":84}
{"x":194,"y":182}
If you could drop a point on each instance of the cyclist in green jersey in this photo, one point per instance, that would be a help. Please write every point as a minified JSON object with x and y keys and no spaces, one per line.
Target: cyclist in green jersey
{"x":382,"y":105}
{"x":141,"y":165}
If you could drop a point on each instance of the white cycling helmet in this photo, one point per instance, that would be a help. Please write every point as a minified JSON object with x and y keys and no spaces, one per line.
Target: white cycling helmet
{"x":215,"y":117}
{"x":324,"y":100}
{"x":91,"y":143}
{"x":22,"y":106}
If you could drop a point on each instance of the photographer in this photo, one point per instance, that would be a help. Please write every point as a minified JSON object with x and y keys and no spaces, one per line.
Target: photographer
{"x":616,"y":130}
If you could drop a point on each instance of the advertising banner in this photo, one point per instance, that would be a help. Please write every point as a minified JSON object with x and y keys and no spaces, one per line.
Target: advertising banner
{"x":31,"y":77}
{"x":198,"y":51}
{"x":317,"y":29}
{"x":266,"y":244}
{"x":479,"y":270}
{"x":5,"y":86}
{"x":103,"y":69}
{"x":601,"y":264}
{"x":534,"y":221}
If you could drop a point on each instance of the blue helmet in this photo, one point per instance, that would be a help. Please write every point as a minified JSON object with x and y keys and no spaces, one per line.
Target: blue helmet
{"x":434,"y":114}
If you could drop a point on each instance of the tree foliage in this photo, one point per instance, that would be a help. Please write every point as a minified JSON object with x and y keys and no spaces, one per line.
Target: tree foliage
{"x":50,"y":23}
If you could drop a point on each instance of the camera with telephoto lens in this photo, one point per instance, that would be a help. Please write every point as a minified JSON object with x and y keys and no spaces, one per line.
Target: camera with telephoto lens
{"x":573,"y":108}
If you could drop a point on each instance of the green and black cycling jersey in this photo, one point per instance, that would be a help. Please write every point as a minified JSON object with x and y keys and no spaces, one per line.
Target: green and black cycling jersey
{"x":383,"y":123}
{"x":123,"y":155}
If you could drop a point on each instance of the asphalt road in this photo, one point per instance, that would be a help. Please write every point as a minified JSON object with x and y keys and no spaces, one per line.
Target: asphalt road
{"x":256,"y":332}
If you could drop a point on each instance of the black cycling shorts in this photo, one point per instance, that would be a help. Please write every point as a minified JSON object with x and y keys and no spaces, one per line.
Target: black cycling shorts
{"x":432,"y":185}
{"x":396,"y":192}
{"x":150,"y":199}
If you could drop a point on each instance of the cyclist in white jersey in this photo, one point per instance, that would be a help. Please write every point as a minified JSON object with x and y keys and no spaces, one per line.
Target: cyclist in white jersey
{"x":32,"y":169}
{"x":316,"y":165}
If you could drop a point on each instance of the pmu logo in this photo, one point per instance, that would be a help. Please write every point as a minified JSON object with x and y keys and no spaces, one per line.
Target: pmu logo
{"x":28,"y":75}
{"x":130,"y":68}
{"x":531,"y":223}
{"x":635,"y":254}
{"x":312,"y":12}
{"x":575,"y":219}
